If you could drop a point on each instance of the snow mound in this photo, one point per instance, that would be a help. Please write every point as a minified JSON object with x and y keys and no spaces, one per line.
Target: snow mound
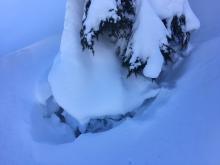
{"x":93,"y":86}
{"x":89,"y":87}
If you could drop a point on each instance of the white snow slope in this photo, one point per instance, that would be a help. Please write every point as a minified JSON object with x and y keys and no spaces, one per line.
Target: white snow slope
{"x":181,"y":126}
{"x":24,"y":22}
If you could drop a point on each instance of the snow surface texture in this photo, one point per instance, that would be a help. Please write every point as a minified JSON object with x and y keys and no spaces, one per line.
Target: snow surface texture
{"x":181,"y":126}
{"x":24,"y":22}
{"x":89,"y":87}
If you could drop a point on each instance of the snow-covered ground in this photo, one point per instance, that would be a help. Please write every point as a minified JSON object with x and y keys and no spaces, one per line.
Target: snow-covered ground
{"x":24,"y":22}
{"x":207,"y":12}
{"x":181,"y":126}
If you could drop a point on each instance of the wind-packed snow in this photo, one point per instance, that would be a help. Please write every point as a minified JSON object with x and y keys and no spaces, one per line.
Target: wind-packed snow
{"x":180,"y":126}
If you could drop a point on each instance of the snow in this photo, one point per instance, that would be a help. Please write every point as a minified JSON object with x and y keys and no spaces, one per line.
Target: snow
{"x":180,"y":126}
{"x":192,"y":22}
{"x":102,"y":12}
{"x":78,"y":77}
{"x":169,"y":8}
{"x":43,"y":92}
{"x":149,"y":34}
{"x":24,"y":22}
{"x":207,"y":12}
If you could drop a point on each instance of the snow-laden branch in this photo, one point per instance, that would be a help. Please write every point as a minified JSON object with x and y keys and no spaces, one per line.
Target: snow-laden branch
{"x":147,"y":31}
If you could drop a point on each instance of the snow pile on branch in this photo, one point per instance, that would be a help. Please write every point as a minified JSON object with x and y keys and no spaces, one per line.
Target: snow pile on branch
{"x":113,"y":16}
{"x":92,"y":84}
{"x":151,"y":30}
{"x":167,"y":9}
{"x":143,"y":48}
